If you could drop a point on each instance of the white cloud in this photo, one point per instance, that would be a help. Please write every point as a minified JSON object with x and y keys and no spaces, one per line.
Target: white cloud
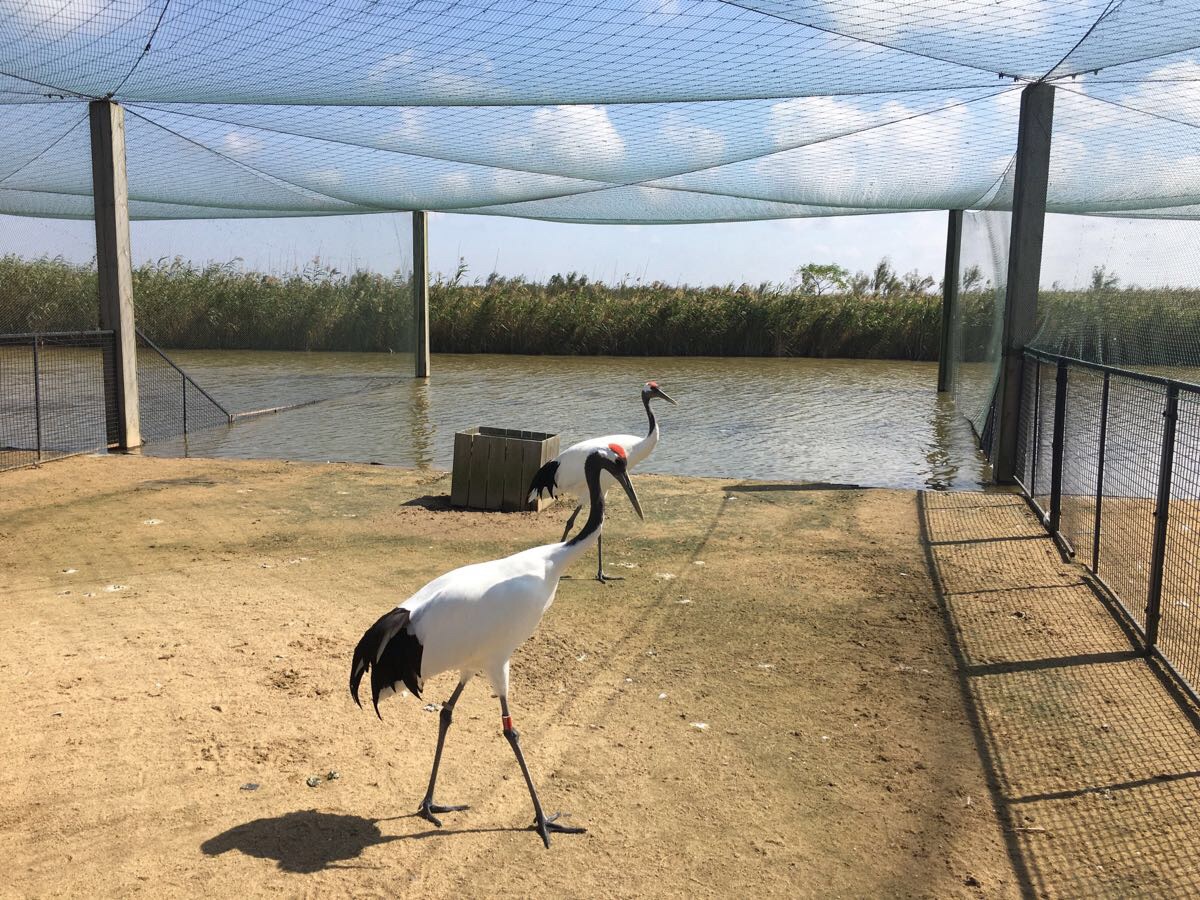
{"x":455,"y":185}
{"x":666,"y":8}
{"x":415,"y":72}
{"x":853,"y":158}
{"x":1173,"y":90}
{"x":887,"y":21}
{"x":808,"y":119}
{"x":409,"y":126}
{"x":240,"y":144}
{"x":57,"y":19}
{"x":688,"y":144}
{"x":577,"y":135}
{"x":1105,"y":158}
{"x":323,"y":179}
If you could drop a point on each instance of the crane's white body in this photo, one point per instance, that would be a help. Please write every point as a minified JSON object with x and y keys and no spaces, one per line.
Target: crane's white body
{"x":570,"y":478}
{"x":472,"y":619}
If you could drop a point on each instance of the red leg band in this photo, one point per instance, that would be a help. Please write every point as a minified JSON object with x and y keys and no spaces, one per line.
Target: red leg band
{"x":507,"y":720}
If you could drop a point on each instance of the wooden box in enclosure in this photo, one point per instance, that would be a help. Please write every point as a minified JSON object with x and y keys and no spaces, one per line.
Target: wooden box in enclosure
{"x":493,"y":467}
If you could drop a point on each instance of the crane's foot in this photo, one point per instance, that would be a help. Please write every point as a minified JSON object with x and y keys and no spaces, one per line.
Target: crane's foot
{"x":604,"y":577}
{"x":428,"y":810}
{"x":550,"y":823}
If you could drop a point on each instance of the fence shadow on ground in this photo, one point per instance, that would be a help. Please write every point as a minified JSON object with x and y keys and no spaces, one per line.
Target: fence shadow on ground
{"x":1092,"y":756}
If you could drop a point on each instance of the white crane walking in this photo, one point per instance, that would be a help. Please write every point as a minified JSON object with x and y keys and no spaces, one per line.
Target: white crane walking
{"x":472,"y":619}
{"x":565,"y":473}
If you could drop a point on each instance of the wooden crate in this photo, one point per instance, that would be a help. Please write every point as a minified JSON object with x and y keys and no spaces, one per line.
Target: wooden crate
{"x":494,"y":466}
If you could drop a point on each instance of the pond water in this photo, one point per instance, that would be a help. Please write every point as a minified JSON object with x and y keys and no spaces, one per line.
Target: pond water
{"x":866,"y":422}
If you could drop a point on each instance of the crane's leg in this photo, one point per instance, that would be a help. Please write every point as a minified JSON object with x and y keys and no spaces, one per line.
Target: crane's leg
{"x":571,"y":521}
{"x":542,"y":823}
{"x":428,"y":807}
{"x":600,"y":574}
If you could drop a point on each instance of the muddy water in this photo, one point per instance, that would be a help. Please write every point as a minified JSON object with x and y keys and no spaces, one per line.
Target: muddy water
{"x":864,"y":422}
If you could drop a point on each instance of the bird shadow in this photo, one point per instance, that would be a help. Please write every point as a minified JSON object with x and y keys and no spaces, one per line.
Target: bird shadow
{"x":431,"y":502}
{"x":309,"y":841}
{"x":305,"y":841}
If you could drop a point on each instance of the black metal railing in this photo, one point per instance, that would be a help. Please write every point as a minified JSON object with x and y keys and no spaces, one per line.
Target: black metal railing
{"x":1110,"y":460}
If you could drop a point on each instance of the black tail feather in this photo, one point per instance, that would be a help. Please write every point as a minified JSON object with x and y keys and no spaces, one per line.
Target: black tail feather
{"x":544,"y":480}
{"x":392,"y":654}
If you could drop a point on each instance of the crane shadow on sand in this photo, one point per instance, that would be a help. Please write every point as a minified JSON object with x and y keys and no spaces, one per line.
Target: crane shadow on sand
{"x":309,"y":841}
{"x":432,"y":502}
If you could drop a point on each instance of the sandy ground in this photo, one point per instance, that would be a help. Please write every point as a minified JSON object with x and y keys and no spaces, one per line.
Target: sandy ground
{"x":176,"y":631}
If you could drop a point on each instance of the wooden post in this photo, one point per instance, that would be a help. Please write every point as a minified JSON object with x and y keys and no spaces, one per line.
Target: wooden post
{"x":1024,"y":268}
{"x":421,"y":290}
{"x":114,"y":268}
{"x":947,"y":347}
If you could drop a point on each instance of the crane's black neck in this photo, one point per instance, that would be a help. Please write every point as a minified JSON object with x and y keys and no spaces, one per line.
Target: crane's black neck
{"x":591,"y":470}
{"x":649,"y":413}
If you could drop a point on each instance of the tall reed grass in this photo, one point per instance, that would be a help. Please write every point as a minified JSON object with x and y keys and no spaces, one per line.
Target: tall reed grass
{"x":516,"y":316}
{"x":876,"y":316}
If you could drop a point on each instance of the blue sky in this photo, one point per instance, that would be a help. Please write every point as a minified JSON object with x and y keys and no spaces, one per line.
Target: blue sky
{"x":1148,"y":253}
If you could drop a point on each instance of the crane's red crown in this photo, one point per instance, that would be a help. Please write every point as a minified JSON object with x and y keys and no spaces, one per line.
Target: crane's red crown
{"x":617,"y":449}
{"x":652,"y":384}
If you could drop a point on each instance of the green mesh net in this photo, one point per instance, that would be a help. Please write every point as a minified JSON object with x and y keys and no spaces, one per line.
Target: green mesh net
{"x":977,"y":328}
{"x":1127,"y":296}
{"x":598,"y":111}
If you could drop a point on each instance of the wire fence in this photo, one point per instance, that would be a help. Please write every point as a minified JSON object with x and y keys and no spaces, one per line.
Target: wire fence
{"x":58,"y":396}
{"x":1110,"y":459}
{"x":171,"y":402}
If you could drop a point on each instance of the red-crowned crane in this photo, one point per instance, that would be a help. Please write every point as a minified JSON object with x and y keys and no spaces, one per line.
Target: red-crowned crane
{"x":565,"y":473}
{"x":472,"y":619}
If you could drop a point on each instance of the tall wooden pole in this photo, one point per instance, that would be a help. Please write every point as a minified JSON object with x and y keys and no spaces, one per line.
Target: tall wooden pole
{"x":946,"y":348}
{"x":114,"y":268}
{"x":421,"y":290}
{"x":1024,"y":268}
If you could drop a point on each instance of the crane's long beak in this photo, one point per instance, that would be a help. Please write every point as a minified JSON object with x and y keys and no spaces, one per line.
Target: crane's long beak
{"x":663,"y":394}
{"x":623,"y":478}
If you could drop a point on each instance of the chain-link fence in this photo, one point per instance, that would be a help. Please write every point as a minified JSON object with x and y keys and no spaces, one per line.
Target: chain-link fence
{"x":171,"y":403}
{"x":56,"y":395}
{"x":213,"y":318}
{"x":1110,"y":458}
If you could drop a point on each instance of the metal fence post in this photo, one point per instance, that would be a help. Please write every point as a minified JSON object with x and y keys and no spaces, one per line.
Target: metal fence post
{"x":1057,"y":445}
{"x":184,"y":381}
{"x":1036,"y":441}
{"x":1100,"y":476}
{"x":1031,"y":180}
{"x":37,"y":397}
{"x":114,"y":267}
{"x":420,"y":286}
{"x":947,"y":347}
{"x":1158,"y":555}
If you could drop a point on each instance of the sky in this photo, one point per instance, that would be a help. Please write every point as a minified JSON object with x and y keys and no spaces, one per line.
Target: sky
{"x":509,"y":109}
{"x":1146,"y":253}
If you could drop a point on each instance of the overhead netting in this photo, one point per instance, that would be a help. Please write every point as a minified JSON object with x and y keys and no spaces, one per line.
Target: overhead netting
{"x":597,"y":110}
{"x":1123,"y":292}
{"x":977,"y":329}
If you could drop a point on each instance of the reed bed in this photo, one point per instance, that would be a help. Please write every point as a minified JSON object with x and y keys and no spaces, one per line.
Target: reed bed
{"x":876,"y":316}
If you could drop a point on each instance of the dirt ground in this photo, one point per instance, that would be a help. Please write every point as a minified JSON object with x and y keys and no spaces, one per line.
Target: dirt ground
{"x":767,"y":706}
